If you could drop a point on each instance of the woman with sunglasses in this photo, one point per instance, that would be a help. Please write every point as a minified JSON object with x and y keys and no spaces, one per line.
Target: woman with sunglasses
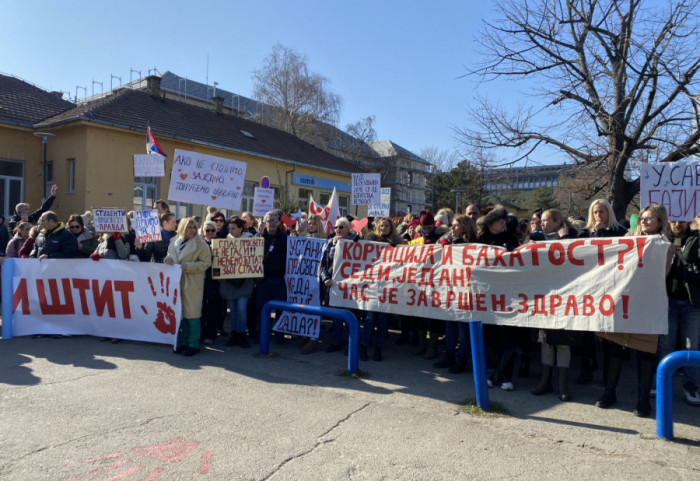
{"x":342,"y":231}
{"x":220,"y":222}
{"x":213,"y":308}
{"x":87,"y":242}
{"x":237,"y":292}
{"x":653,"y":220}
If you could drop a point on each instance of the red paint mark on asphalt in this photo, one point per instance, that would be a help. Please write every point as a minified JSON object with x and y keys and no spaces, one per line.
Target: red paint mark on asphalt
{"x":205,"y":463}
{"x":126,"y":472}
{"x":104,"y":469}
{"x":93,"y":460}
{"x":154,"y":475}
{"x":171,"y":451}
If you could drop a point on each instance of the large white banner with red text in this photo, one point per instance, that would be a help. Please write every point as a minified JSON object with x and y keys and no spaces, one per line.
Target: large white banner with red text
{"x":108,"y":298}
{"x":610,"y":285}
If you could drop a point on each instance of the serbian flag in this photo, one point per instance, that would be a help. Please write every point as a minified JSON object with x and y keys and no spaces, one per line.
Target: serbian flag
{"x":152,"y":146}
{"x":328,"y":214}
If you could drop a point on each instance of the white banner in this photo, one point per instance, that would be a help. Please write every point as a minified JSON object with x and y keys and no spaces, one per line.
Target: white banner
{"x":381,"y":210}
{"x":149,"y":165}
{"x":675,"y":185}
{"x":609,"y":285}
{"x":146,"y":224}
{"x":263,"y":201}
{"x":303,"y":258}
{"x":110,"y":220}
{"x":207,"y":180}
{"x":107,"y":298}
{"x":366,"y":189}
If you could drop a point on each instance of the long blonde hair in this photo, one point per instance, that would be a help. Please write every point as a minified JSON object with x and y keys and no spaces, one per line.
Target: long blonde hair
{"x":612,"y":220}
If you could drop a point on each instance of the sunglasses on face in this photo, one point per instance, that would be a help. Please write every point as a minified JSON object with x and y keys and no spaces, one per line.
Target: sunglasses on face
{"x":272,"y":221}
{"x":209,"y":230}
{"x":218,"y":220}
{"x":339,"y":227}
{"x":74,"y":227}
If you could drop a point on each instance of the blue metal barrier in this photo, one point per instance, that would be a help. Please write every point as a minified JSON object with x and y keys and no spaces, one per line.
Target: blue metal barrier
{"x":8,"y":271}
{"x":327,"y":312}
{"x":479,"y":363}
{"x":664,"y":388}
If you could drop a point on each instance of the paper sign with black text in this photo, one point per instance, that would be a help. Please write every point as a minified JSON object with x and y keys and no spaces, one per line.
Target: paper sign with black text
{"x":207,"y":180}
{"x":366,"y":189}
{"x":381,"y":210}
{"x":263,"y":201}
{"x":149,"y":165}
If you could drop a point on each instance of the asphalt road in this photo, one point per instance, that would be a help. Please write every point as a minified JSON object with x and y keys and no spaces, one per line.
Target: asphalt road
{"x":78,"y":409}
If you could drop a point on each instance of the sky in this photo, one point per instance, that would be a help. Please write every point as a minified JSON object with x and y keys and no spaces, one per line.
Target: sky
{"x":401,"y":61}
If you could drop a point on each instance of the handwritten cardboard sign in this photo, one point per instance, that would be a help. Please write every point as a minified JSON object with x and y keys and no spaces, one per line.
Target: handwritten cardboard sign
{"x":237,"y":258}
{"x":110,"y":220}
{"x":366,"y":189}
{"x":675,"y":185}
{"x":263,"y":201}
{"x":146,"y":224}
{"x":207,"y":180}
{"x":149,"y":165}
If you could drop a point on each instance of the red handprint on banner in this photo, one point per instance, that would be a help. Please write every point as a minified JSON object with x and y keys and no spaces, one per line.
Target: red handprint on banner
{"x":166,"y":321}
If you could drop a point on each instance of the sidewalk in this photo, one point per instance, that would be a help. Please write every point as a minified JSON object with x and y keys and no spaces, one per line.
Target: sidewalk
{"x":75,"y":408}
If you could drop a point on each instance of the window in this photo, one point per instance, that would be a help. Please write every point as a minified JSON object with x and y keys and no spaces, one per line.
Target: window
{"x":11,"y":186}
{"x":324,"y":198}
{"x":304,"y":195}
{"x":49,"y":178}
{"x":247,"y":197}
{"x":344,"y":202}
{"x":145,"y":192}
{"x":70,"y":171}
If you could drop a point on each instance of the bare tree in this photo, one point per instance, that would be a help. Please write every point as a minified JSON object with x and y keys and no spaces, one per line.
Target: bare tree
{"x":363,"y":130}
{"x":296,"y":99}
{"x":611,"y":83}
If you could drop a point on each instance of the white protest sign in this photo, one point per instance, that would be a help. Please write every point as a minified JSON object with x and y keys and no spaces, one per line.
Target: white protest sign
{"x":263,"y":201}
{"x":110,"y":220}
{"x":602,"y":285}
{"x":149,"y":165}
{"x":381,"y":210}
{"x":146,"y":224}
{"x":303,"y":257}
{"x":108,"y":298}
{"x":675,"y":185}
{"x":366,"y":189}
{"x":207,"y":180}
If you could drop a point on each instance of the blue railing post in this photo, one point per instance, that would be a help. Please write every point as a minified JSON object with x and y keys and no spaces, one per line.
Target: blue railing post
{"x":664,"y":388}
{"x":479,"y":362}
{"x":328,"y":312}
{"x":8,"y":272}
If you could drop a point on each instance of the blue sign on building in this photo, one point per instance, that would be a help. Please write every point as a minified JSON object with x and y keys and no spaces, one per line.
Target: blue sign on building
{"x":320,"y":183}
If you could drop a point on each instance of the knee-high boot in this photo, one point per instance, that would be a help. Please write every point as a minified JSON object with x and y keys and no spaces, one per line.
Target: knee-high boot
{"x":545,"y":384}
{"x":564,"y":384}
{"x":609,"y":397}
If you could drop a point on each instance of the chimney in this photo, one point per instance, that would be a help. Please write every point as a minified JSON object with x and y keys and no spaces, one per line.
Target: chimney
{"x":153,"y":85}
{"x":218,"y":104}
{"x":58,"y":95}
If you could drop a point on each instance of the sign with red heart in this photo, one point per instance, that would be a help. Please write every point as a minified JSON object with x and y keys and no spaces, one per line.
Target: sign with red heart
{"x":358,"y":225}
{"x":263,"y":201}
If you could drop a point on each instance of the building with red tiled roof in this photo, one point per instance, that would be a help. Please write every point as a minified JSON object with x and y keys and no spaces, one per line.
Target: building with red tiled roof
{"x":91,"y":155}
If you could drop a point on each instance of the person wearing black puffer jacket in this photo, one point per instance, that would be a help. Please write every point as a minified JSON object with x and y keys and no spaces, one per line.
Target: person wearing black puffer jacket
{"x":54,"y":241}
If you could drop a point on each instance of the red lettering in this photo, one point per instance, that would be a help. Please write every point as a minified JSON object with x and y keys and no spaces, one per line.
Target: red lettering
{"x":601,"y":243}
{"x":556,"y":253}
{"x":56,"y":308}
{"x":20,"y":297}
{"x":570,"y":252}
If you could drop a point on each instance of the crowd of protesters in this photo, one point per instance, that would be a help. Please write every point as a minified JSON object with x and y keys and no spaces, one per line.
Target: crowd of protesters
{"x":207,"y":302}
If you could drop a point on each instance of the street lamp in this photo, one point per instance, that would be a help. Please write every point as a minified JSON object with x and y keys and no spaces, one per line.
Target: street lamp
{"x":456,"y":192}
{"x":44,"y":136}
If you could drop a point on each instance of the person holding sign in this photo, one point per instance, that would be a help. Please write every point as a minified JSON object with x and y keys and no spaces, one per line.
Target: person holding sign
{"x":236,"y":292}
{"x":384,"y":232}
{"x":193,"y":255}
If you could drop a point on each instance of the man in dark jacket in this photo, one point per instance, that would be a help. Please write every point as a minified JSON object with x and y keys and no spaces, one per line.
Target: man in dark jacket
{"x":683,"y":289}
{"x":54,"y":241}
{"x":272,"y":286}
